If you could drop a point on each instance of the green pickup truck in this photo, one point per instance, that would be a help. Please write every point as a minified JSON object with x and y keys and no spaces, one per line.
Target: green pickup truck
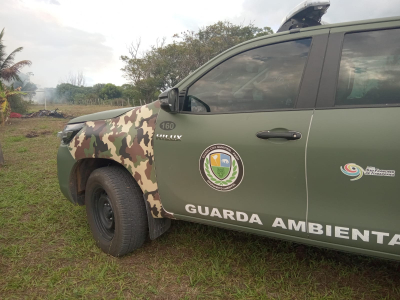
{"x":294,"y":135}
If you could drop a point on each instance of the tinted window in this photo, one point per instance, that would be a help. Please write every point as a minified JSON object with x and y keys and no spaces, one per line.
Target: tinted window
{"x":259,"y":79}
{"x":370,"y":68}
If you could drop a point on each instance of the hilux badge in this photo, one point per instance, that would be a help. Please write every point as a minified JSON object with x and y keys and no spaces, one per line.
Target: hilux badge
{"x":221,"y":167}
{"x":169,"y":137}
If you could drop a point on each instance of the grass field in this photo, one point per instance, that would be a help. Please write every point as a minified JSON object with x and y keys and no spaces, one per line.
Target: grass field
{"x":47,"y":251}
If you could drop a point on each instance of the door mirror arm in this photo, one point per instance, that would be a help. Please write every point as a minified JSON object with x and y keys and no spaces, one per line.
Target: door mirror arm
{"x":171,"y":104}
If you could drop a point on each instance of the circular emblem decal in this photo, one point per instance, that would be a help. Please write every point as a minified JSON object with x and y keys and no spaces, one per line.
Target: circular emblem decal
{"x":221,"y":167}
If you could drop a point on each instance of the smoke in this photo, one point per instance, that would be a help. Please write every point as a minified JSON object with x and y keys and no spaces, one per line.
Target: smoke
{"x":48,"y":94}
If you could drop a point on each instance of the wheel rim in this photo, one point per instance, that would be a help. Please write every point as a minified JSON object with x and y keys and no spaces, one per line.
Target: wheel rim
{"x":103,"y":213}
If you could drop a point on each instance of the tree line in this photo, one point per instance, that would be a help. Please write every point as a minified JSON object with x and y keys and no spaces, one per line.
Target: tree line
{"x":160,"y":67}
{"x":164,"y":65}
{"x":99,"y":93}
{"x":147,"y":72}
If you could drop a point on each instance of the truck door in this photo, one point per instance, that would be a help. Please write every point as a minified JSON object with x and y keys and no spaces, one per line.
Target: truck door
{"x":353,"y":158}
{"x":234,"y":155}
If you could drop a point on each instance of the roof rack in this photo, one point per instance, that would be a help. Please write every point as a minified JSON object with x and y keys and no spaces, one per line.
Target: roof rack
{"x":306,"y":14}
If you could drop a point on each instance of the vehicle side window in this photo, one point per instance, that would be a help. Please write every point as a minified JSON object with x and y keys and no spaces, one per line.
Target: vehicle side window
{"x":259,"y":79}
{"x":370,"y":68}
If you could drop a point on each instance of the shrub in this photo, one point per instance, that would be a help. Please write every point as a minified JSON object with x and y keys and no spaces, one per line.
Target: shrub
{"x":18,"y":104}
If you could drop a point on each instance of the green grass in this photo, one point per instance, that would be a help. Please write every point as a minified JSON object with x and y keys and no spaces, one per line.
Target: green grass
{"x":47,"y":251}
{"x":13,"y":139}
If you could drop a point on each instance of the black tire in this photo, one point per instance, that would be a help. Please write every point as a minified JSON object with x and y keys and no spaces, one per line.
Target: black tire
{"x":115,"y":210}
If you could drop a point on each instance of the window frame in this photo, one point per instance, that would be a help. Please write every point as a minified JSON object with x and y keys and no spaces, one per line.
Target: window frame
{"x":330,"y":74}
{"x":302,"y":102}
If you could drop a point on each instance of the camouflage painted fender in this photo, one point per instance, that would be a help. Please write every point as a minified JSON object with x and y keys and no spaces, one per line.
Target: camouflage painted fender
{"x":128,"y":140}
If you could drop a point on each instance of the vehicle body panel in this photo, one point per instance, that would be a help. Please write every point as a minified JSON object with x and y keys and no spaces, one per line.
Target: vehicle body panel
{"x":270,"y":187}
{"x":274,"y":181}
{"x":365,"y":137}
{"x":108,"y":114}
{"x":65,"y":165}
{"x":357,"y":26}
{"x":128,"y":140}
{"x":364,"y":209}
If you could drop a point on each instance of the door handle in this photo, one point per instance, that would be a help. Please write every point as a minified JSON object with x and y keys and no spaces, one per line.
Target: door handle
{"x":289,"y":135}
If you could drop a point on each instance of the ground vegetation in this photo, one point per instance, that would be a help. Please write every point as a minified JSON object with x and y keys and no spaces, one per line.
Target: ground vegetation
{"x":47,"y":250}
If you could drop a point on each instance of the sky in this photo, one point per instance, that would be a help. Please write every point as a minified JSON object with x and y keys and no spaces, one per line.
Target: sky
{"x":64,"y":36}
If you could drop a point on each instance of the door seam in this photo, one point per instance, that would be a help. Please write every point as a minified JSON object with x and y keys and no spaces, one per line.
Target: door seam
{"x":305,"y":169}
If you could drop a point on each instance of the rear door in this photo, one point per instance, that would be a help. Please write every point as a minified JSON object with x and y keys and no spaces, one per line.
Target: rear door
{"x":224,"y":170}
{"x":353,"y":158}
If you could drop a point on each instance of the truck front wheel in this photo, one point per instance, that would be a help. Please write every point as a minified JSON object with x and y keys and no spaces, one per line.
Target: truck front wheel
{"x":115,"y":210}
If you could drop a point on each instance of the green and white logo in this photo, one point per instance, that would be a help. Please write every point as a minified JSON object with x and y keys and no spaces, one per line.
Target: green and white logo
{"x":221,"y":167}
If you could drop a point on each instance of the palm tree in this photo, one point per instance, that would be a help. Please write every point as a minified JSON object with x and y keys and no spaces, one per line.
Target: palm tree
{"x":8,"y":69}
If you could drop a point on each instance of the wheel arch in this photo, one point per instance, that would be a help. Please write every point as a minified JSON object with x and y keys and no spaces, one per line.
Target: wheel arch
{"x":126,"y":140}
{"x":80,"y":175}
{"x":78,"y":181}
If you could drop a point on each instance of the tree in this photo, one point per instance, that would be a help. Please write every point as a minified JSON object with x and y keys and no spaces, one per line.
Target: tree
{"x":97,"y":88}
{"x":8,"y":69}
{"x":66,"y":92}
{"x":77,"y":79}
{"x":130,"y":93}
{"x":110,"y":91}
{"x":79,"y":98}
{"x":86,"y":94}
{"x":26,"y":86}
{"x":163,"y":66}
{"x":212,"y":40}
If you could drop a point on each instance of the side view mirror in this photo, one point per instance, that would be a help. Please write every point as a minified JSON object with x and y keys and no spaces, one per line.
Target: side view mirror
{"x":172,"y":103}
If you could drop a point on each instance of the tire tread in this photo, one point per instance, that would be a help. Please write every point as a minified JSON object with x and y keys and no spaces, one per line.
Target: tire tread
{"x":130,"y":211}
